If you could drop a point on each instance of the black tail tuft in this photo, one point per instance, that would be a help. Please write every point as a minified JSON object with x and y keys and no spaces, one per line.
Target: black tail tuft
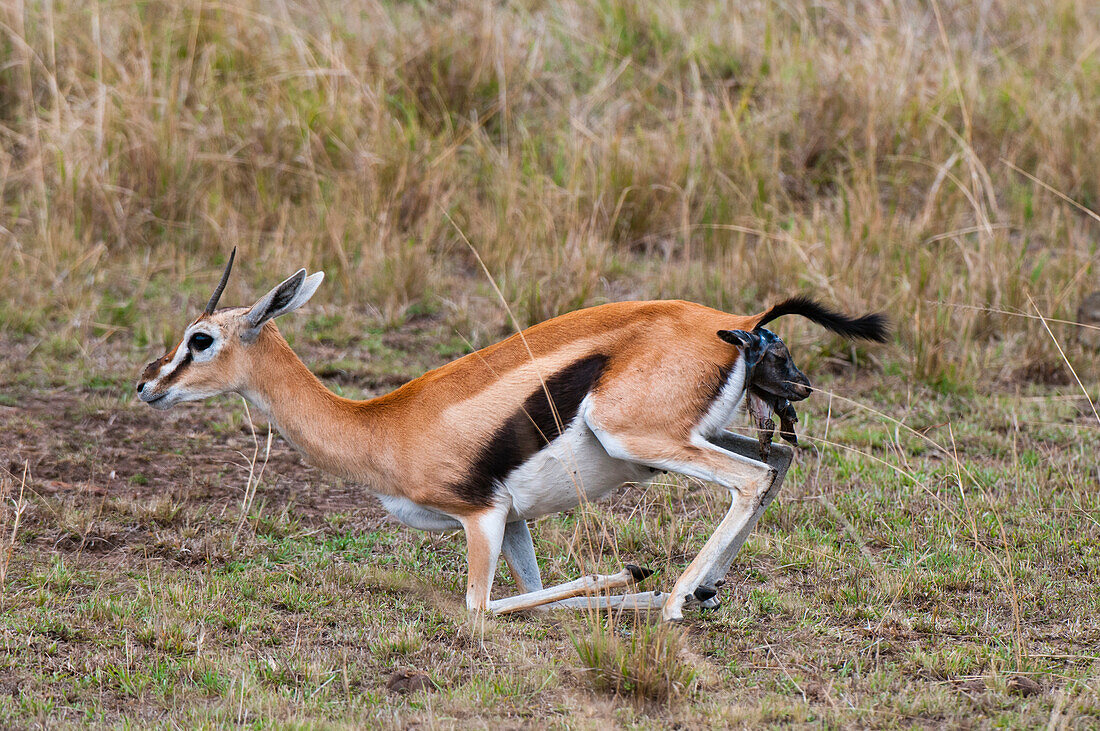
{"x":869,"y":327}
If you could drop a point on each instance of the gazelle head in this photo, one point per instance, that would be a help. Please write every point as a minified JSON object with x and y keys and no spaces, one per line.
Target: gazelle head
{"x":215,"y":355}
{"x":770,"y":365}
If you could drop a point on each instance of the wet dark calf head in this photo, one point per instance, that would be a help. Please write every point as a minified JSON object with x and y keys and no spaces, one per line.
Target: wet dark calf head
{"x":770,"y":366}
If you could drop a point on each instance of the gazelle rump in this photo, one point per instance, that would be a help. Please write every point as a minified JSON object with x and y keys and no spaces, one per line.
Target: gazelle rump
{"x":563,"y":412}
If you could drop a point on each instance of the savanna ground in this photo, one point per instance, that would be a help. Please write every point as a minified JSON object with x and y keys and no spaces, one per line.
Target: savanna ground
{"x":934,"y":557}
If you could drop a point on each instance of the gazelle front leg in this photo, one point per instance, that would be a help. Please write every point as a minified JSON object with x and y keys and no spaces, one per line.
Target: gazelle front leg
{"x":519,"y":553}
{"x":591,"y":585}
{"x":484,"y":536}
{"x":487,"y":532}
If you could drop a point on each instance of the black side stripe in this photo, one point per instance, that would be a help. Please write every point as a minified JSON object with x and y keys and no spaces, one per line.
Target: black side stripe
{"x":530,"y":428}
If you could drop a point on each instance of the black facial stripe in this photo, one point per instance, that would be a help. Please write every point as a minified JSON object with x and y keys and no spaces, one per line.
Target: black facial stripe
{"x":530,"y":428}
{"x":171,"y":377}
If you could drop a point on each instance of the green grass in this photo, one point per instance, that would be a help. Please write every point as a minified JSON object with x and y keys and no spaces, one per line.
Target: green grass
{"x":880,"y":590}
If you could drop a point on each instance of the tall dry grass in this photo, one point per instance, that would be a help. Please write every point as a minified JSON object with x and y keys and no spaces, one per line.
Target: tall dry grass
{"x":725,"y":152}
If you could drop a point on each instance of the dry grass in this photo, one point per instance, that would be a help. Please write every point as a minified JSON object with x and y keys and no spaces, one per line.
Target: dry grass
{"x":11,"y":515}
{"x":645,"y":664}
{"x":728,"y":154}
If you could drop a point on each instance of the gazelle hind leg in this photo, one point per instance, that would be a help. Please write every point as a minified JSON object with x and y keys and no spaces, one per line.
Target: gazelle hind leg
{"x":739,"y":515}
{"x":779,"y":459}
{"x":747,"y":480}
{"x":518,"y":549}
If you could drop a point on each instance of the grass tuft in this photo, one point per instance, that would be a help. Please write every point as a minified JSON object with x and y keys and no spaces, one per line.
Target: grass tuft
{"x":642,"y":661}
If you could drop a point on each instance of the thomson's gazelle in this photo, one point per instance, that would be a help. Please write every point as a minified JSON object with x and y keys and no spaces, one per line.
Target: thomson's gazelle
{"x":563,"y":412}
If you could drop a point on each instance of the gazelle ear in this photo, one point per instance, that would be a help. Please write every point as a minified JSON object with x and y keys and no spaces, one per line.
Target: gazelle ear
{"x":740,"y":338}
{"x":288,"y":296}
{"x":750,"y":343}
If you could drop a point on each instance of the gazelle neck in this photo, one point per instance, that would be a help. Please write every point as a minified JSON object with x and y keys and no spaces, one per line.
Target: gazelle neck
{"x":335,"y":434}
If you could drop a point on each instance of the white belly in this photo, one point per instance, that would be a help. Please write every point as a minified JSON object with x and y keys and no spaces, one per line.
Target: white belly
{"x":417,"y":516}
{"x":572,"y":468}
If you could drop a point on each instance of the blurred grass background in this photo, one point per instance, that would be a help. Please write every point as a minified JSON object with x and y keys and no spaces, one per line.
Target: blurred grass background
{"x":930,"y":160}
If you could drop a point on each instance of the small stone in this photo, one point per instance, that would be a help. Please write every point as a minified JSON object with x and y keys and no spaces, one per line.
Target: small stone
{"x":404,"y":682}
{"x":1089,"y":314}
{"x":974,"y":685}
{"x":1023,"y":685}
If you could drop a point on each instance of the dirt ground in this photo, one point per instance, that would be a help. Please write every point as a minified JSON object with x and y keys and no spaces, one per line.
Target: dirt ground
{"x":143,"y":586}
{"x":83,"y":452}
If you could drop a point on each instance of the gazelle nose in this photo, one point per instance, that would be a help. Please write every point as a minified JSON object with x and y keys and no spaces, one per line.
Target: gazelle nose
{"x":141,"y":387}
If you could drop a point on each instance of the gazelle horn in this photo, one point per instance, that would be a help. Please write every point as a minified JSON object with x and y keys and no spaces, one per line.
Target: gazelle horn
{"x":221,"y":285}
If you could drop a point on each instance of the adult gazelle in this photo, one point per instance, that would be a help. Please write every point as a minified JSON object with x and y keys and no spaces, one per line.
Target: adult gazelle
{"x":562,"y":412}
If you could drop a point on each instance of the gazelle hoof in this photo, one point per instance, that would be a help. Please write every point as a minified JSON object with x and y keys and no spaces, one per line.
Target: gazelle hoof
{"x":704,"y":593}
{"x":638,"y":573}
{"x":674,"y":609}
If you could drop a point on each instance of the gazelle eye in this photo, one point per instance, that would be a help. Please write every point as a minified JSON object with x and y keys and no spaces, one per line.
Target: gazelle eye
{"x":200,"y":341}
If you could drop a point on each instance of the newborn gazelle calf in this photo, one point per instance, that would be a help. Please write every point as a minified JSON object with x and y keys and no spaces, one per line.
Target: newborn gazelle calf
{"x":563,"y":412}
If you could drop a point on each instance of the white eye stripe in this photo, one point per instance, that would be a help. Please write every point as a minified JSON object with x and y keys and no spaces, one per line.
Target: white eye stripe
{"x":171,"y":366}
{"x":185,"y":352}
{"x":200,"y":354}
